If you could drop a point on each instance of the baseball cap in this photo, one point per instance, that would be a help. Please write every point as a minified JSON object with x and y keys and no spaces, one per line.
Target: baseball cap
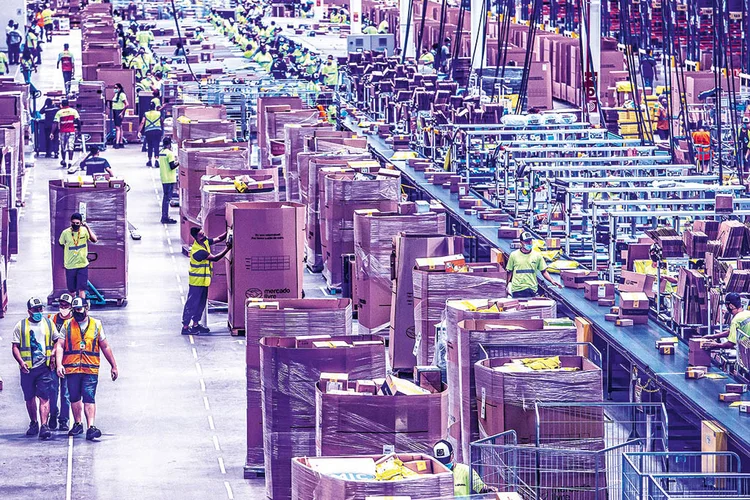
{"x":34,"y":302}
{"x":78,"y":303}
{"x":442,"y":451}
{"x":66,"y":297}
{"x":734,"y":299}
{"x":526,"y":236}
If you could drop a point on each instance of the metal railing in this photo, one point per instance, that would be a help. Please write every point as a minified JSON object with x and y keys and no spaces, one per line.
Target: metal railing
{"x":698,"y":487}
{"x":637,"y":467}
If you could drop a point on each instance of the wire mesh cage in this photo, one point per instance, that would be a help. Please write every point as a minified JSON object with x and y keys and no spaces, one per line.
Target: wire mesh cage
{"x":698,"y":486}
{"x":637,"y":467}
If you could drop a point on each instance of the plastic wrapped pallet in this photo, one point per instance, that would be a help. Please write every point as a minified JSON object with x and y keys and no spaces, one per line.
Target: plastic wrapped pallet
{"x":505,"y":395}
{"x":294,"y":144}
{"x":433,"y":288}
{"x":283,"y":318}
{"x":105,"y":211}
{"x":479,"y":309}
{"x":290,"y":367}
{"x":343,"y":195}
{"x":311,"y":191}
{"x":205,"y":129}
{"x":290,"y":102}
{"x":352,"y":423}
{"x":407,"y":248}
{"x":275,"y":123}
{"x":472,"y":333}
{"x":353,"y":478}
{"x":373,"y":247}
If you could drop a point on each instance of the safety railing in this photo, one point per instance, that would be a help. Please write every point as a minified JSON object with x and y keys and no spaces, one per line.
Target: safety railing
{"x":719,"y":486}
{"x":637,"y":467}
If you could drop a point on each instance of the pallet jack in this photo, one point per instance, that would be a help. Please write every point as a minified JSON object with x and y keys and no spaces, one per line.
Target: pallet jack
{"x":96,"y":298}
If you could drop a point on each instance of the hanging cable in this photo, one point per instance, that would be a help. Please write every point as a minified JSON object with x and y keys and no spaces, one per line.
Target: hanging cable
{"x":408,"y":31}
{"x":439,"y":52}
{"x":456,"y":49}
{"x":421,"y":28}
{"x":179,"y":36}
{"x":522,"y":94}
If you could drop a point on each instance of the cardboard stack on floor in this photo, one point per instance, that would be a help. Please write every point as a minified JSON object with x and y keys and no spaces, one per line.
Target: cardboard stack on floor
{"x":103,"y":204}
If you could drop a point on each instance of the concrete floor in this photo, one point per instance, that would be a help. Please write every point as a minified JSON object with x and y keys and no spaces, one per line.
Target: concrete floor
{"x":174,"y":422}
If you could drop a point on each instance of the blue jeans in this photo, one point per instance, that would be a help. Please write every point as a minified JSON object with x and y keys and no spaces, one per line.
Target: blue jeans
{"x":61,"y":411}
{"x":82,"y":386}
{"x":527,"y":293}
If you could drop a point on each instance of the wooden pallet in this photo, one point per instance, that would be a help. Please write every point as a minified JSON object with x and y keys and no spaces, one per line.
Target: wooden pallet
{"x":254,"y":472}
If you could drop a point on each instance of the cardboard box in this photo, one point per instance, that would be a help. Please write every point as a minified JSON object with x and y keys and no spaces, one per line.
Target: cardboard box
{"x":596,"y":290}
{"x":429,"y":377}
{"x":637,"y":282}
{"x":713,"y":439}
{"x":605,"y":302}
{"x":447,"y":263}
{"x":333,"y":381}
{"x":736,"y":388}
{"x":729,"y":397}
{"x":577,"y":278}
{"x":697,"y":356}
{"x":509,"y":233}
{"x":696,"y":372}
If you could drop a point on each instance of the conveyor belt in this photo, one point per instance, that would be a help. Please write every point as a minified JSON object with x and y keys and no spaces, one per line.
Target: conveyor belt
{"x":637,"y":344}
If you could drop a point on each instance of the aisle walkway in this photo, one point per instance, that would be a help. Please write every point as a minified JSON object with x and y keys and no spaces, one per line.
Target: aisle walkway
{"x":174,"y":422}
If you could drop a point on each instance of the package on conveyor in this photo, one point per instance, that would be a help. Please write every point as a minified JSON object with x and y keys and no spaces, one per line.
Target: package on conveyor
{"x":266,"y":257}
{"x":457,"y":310}
{"x":191,"y":129}
{"x":407,"y":248}
{"x":359,"y":417}
{"x":373,"y":246}
{"x":105,"y":210}
{"x":506,"y":385}
{"x":313,"y":168}
{"x":394,"y":476}
{"x":266,"y":104}
{"x":342,"y":195}
{"x":433,"y":287}
{"x":283,"y":318}
{"x":290,"y":368}
{"x":216,"y":193}
{"x":634,"y":306}
{"x":294,"y":144}
{"x":513,"y":333}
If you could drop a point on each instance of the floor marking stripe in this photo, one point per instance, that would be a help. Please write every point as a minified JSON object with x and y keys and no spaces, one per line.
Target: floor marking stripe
{"x":69,"y":475}
{"x":198,"y":368}
{"x":203,"y":385}
{"x":205,"y":403}
{"x":230,"y":494}
{"x":216,"y":443}
{"x":221,"y":466}
{"x":211,"y":423}
{"x":195,"y":353}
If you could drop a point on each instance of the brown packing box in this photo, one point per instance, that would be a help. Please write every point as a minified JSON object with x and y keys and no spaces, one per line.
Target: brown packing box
{"x":428,"y":377}
{"x":624,"y":322}
{"x":509,"y":233}
{"x":729,"y":397}
{"x":713,"y":440}
{"x":736,"y":388}
{"x":636,"y":282}
{"x":577,"y":278}
{"x":633,"y":301}
{"x":697,"y":356}
{"x":595,"y":290}
{"x":447,"y":263}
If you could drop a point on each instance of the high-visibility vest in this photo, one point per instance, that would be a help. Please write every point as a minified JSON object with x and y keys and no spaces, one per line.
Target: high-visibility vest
{"x":47,"y":16}
{"x":3,"y":63}
{"x":25,"y":346}
{"x":66,"y":61}
{"x":66,"y":118}
{"x":81,"y":353}
{"x":200,"y":271}
{"x":31,"y":40}
{"x":427,"y":59}
{"x":153,"y":120}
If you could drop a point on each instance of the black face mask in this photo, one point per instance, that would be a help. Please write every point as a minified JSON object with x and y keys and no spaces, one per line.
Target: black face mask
{"x":75,"y":227}
{"x":79,"y":316}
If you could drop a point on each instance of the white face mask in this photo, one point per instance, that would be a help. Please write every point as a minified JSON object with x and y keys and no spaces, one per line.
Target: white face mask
{"x":65,"y":311}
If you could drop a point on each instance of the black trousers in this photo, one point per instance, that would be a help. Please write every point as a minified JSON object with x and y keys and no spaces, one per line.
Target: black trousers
{"x":195,"y":304}
{"x":14,"y":51}
{"x":167,"y":189}
{"x":153,"y":138}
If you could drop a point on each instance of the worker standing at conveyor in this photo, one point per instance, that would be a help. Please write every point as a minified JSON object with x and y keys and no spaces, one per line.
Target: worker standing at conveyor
{"x":199,"y":279}
{"x":77,"y":351}
{"x":33,"y":342}
{"x":523,"y":266}
{"x":463,"y":476}
{"x":740,"y":322}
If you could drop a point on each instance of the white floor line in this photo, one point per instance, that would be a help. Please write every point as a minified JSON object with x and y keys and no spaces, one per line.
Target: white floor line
{"x":216,"y":443}
{"x":230,"y":494}
{"x":221,"y":466}
{"x":211,"y":423}
{"x":69,"y":475}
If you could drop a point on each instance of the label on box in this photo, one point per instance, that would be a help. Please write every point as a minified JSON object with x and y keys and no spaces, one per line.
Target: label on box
{"x":484,"y":402}
{"x":417,"y":341}
{"x":602,"y":291}
{"x":388,"y":449}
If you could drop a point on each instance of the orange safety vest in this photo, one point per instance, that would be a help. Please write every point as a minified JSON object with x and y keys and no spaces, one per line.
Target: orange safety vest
{"x":702,"y":141}
{"x":81,"y":353}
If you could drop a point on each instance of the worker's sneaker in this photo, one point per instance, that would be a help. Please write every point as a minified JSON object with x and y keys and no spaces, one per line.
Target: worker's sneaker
{"x":33,"y":429}
{"x":200,"y":329}
{"x":62,"y":162}
{"x":186,"y":330}
{"x":148,"y":163}
{"x":76,"y":430}
{"x":93,"y":433}
{"x":44,"y":432}
{"x":52,"y":422}
{"x":168,"y":221}
{"x":63,"y":426}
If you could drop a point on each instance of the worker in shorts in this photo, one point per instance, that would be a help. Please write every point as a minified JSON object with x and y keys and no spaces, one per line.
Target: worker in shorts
{"x":74,"y":241}
{"x":67,"y":121}
{"x":78,"y":351}
{"x":59,"y":403}
{"x":119,"y":105}
{"x":33,"y":347}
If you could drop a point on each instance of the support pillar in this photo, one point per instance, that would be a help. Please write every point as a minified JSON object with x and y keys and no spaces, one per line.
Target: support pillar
{"x":591,"y":32}
{"x":409,"y":47}
{"x":478,"y":32}
{"x":355,"y":13}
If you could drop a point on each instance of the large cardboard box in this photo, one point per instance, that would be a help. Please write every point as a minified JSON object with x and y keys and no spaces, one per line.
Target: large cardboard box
{"x":266,"y":259}
{"x":713,"y":439}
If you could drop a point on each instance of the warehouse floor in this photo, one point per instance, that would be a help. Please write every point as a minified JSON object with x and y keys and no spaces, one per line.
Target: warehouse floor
{"x":174,"y":422}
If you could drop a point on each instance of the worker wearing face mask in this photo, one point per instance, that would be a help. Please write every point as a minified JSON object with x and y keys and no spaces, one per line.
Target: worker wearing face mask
{"x":330,"y":72}
{"x":78,"y":351}
{"x":523,"y":266}
{"x":463,"y":476}
{"x":74,"y":241}
{"x":32,"y":344}
{"x":59,"y":403}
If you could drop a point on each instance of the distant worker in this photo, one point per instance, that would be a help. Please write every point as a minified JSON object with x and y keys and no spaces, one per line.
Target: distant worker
{"x":330,"y":72}
{"x":702,"y":143}
{"x":119,"y":105}
{"x":369,"y":29}
{"x":14,"y":43}
{"x":740,"y":323}
{"x":263,"y":58}
{"x":33,"y":343}
{"x":199,"y":279}
{"x":383,"y":27}
{"x":49,"y":111}
{"x":59,"y":403}
{"x":648,"y":68}
{"x":4,"y":64}
{"x":27,"y":64}
{"x":66,"y":62}
{"x":95,"y":164}
{"x":463,"y":476}
{"x":426,"y":59}
{"x":77,"y":351}
{"x":67,"y":122}
{"x":744,"y":140}
{"x":74,"y":241}
{"x":48,"y":22}
{"x":168,"y":173}
{"x":662,"y":119}
{"x":523,"y":266}
{"x":152,"y":128}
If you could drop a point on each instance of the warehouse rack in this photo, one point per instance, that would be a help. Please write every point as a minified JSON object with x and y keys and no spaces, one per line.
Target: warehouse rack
{"x":639,"y":466}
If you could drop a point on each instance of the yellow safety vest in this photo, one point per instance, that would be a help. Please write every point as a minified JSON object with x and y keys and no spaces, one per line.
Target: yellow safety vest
{"x":200,"y":271}
{"x":153,"y":120}
{"x":25,"y":346}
